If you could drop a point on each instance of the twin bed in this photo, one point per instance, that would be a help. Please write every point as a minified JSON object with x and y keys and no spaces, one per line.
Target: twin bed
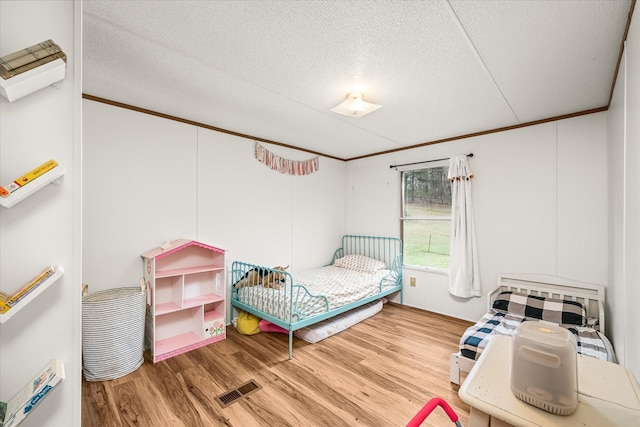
{"x":363,"y":270}
{"x":579,"y":307}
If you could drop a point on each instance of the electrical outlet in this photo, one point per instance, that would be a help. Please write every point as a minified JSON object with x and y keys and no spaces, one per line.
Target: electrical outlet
{"x":412,"y":281}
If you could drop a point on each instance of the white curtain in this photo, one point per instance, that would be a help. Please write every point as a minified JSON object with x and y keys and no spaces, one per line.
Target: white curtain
{"x":464,"y":278}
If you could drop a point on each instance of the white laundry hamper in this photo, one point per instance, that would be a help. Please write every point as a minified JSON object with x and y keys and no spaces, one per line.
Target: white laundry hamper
{"x":113,"y":324}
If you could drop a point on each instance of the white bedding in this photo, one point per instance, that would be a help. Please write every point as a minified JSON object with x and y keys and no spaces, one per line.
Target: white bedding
{"x":326,"y":328}
{"x":340,"y":286}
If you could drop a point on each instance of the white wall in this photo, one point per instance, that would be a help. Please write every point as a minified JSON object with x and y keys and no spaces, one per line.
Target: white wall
{"x":149,"y":180}
{"x":139,"y":190}
{"x":45,"y":228}
{"x":259,"y":214}
{"x":624,"y":202}
{"x":540,"y":206}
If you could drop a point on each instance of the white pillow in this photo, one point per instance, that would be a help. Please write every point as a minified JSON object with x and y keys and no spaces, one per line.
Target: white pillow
{"x":360,"y":263}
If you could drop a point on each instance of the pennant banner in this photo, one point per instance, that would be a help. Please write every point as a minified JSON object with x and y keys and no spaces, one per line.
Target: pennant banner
{"x":282,"y":165}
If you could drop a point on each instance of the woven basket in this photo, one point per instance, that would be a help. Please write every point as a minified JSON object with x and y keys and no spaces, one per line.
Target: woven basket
{"x":112,"y":333}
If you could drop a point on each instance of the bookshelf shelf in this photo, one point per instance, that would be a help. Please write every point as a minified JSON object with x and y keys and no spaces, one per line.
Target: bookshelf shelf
{"x":191,"y":270}
{"x":15,"y":308}
{"x":49,"y":177}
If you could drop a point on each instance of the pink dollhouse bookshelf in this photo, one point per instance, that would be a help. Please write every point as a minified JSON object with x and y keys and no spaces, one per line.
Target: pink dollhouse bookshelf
{"x":186,"y":299}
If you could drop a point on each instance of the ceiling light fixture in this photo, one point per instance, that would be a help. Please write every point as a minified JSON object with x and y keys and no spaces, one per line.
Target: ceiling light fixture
{"x":355,"y":106}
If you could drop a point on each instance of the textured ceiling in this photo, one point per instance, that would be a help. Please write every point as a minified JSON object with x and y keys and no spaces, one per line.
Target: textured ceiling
{"x":274,"y":69}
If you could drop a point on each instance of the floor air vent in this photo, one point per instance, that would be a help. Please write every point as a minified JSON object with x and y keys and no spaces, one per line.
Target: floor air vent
{"x":232,"y":396}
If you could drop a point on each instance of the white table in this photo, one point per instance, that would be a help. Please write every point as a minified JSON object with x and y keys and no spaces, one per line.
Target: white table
{"x":608,"y":394}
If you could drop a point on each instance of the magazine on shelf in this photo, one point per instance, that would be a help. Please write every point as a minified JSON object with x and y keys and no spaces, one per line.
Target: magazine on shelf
{"x":21,"y":405}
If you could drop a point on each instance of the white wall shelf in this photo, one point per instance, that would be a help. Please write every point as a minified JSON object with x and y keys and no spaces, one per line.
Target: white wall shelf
{"x":58,"y":273}
{"x":28,"y":399}
{"x":48,"y":74}
{"x":49,"y":177}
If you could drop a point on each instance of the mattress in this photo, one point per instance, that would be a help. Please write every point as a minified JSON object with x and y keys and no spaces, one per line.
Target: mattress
{"x":329,"y":327}
{"x":590,"y":342}
{"x":327,"y":288}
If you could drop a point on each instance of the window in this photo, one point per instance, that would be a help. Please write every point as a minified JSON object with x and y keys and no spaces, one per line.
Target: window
{"x":426,"y":216}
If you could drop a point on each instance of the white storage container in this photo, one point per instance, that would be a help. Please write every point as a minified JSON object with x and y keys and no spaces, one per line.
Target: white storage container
{"x":112,"y":333}
{"x":544,"y":367}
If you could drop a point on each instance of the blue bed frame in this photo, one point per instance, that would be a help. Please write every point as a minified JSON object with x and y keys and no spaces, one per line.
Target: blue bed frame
{"x":309,"y":308}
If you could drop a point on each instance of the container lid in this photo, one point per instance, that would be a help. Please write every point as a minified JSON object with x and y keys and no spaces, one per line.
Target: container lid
{"x":543,"y":332}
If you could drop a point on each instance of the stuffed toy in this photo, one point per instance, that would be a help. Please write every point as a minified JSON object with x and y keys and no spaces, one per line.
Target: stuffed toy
{"x":269,"y":278}
{"x":248,"y":324}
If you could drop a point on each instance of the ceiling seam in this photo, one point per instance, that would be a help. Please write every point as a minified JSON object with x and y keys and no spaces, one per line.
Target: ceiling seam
{"x":477,"y":54}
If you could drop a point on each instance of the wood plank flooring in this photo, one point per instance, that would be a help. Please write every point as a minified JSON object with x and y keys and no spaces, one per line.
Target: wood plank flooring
{"x":379,"y":372}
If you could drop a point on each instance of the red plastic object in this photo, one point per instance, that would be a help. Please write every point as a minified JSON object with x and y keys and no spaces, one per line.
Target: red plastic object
{"x":429,"y":407}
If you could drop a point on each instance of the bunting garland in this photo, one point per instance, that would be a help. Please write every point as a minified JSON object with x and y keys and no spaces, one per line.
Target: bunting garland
{"x":282,"y":165}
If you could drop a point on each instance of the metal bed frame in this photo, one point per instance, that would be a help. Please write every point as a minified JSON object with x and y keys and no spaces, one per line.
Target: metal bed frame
{"x":306,"y":309}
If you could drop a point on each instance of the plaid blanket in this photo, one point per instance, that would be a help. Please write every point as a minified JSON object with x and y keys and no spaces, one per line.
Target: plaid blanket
{"x":477,"y":337}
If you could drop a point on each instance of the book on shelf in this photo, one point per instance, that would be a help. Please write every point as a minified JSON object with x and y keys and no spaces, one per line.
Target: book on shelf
{"x":23,"y":403}
{"x":29,"y":58}
{"x":8,"y":301}
{"x":27,"y":178}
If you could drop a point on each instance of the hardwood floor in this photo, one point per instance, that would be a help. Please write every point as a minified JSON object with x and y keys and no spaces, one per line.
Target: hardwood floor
{"x":377,"y":373}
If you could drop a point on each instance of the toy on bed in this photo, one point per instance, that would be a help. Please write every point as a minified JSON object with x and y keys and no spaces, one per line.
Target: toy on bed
{"x":576,"y":306}
{"x":364,"y":269}
{"x":267,"y":277}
